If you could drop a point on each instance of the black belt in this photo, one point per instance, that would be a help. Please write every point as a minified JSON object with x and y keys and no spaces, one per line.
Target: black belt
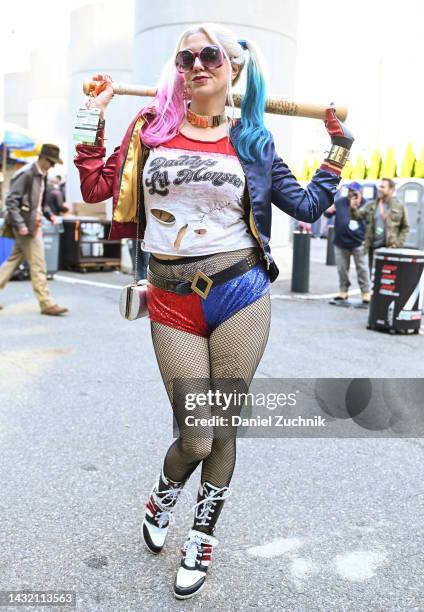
{"x":201,"y":283}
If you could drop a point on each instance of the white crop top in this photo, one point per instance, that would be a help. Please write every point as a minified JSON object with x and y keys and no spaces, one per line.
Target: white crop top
{"x":193,"y":193}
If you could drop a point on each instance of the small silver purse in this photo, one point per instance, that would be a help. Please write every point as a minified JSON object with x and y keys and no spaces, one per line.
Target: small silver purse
{"x":133,"y":301}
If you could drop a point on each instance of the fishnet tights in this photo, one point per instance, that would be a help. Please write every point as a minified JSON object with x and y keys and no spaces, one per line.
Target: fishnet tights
{"x":188,"y":266}
{"x":233,"y":351}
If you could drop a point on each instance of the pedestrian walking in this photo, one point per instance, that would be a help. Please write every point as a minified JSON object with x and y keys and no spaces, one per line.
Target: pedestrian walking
{"x":26,"y":205}
{"x":205,"y":196}
{"x":386,"y":220}
{"x":348,"y":242}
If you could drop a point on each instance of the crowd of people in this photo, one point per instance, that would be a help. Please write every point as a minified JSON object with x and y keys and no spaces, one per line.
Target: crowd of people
{"x":360,"y":227}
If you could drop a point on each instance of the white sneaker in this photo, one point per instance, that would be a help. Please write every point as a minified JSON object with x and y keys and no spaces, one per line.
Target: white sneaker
{"x":197,"y":553}
{"x":197,"y":550}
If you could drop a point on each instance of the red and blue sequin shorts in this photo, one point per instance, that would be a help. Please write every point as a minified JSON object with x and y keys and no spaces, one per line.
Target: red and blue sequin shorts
{"x":197,"y":315}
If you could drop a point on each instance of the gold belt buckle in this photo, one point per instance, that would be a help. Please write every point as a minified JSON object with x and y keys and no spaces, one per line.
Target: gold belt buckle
{"x":197,"y":276}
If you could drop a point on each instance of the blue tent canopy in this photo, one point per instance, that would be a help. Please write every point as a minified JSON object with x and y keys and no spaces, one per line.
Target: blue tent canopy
{"x":16,"y":137}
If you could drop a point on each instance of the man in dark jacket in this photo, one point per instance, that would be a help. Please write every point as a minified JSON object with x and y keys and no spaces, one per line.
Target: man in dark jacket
{"x":348,"y":239}
{"x":26,"y":205}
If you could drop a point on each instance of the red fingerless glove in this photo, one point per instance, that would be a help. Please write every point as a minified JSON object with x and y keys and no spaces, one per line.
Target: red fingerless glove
{"x":338,"y":132}
{"x":341,"y":140}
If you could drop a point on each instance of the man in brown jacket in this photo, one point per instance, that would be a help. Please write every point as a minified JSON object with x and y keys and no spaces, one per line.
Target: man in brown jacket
{"x":386,"y":220}
{"x":25,"y":204}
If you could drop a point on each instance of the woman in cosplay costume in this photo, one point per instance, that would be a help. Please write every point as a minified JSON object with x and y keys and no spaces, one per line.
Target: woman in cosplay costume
{"x":203,"y":184}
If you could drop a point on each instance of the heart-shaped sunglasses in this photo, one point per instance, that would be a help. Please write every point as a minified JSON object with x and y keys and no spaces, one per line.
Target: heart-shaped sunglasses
{"x":210,"y":56}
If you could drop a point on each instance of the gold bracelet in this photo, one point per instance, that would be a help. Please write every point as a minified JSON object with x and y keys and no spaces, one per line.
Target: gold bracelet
{"x":339,"y":155}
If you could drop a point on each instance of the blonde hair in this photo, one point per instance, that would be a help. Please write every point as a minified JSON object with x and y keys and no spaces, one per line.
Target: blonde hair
{"x":170,"y":107}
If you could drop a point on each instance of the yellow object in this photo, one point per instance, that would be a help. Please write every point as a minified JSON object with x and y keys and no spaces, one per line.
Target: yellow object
{"x":24,"y":155}
{"x":388,"y":167}
{"x":359,"y":169}
{"x":373,"y":171}
{"x":347,"y":170}
{"x":419,"y":166}
{"x":295,"y":172}
{"x":126,"y":207}
{"x":315,"y":164}
{"x":304,"y":174}
{"x":407,"y":168}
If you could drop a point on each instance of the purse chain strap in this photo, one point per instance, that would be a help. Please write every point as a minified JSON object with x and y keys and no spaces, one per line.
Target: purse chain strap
{"x":136,"y":248}
{"x":139,"y":181}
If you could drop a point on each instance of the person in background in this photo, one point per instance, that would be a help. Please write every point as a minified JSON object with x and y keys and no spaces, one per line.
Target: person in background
{"x":54,"y":197}
{"x":62,"y":186}
{"x":386,"y":220}
{"x":348,"y":241}
{"x":26,"y":205}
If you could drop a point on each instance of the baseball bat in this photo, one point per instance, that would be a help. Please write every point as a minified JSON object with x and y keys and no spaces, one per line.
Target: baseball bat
{"x":275,"y":106}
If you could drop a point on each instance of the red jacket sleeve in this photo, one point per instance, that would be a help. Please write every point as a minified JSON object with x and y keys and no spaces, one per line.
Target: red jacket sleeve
{"x":96,"y":176}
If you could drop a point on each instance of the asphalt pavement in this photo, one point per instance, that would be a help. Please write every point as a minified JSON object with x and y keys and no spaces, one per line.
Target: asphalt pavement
{"x":312,"y":524}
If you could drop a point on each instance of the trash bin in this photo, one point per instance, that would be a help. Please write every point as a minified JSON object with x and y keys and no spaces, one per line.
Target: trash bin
{"x":6,"y":245}
{"x":51,"y":240}
{"x":398,"y":290}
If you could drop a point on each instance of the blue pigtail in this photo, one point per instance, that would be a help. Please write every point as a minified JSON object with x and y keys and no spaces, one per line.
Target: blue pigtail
{"x":253,"y":135}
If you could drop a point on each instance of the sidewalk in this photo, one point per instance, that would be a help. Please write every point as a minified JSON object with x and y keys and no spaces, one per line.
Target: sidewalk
{"x":319,"y":524}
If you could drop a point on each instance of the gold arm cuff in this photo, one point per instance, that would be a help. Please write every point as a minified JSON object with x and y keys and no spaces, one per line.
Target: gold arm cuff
{"x":338,"y":155}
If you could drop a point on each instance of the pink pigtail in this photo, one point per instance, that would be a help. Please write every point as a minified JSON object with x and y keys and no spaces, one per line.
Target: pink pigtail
{"x":168,"y":107}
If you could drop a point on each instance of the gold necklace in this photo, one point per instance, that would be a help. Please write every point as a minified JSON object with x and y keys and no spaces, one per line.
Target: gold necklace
{"x":205,"y":121}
